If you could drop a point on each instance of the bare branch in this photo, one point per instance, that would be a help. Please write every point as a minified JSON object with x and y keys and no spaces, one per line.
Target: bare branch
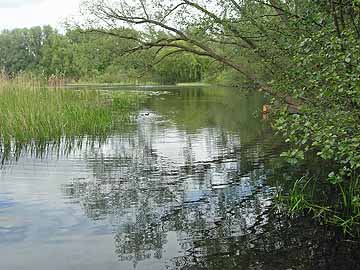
{"x":167,"y":14}
{"x":167,"y":55}
{"x":144,"y":9}
{"x":225,"y":23}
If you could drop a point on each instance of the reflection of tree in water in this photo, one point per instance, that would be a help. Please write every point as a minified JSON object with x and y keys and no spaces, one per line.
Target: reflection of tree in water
{"x":280,"y":244}
{"x":148,"y":195}
{"x":198,"y":183}
{"x":140,"y":239}
{"x":216,"y":197}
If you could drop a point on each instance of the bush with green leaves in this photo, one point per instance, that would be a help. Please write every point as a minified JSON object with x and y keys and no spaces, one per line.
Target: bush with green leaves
{"x":325,"y":81}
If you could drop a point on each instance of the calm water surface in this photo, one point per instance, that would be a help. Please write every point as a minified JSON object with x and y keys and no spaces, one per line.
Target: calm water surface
{"x":189,"y":186}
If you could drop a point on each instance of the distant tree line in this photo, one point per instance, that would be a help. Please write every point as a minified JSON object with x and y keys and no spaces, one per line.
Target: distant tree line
{"x":91,"y":56}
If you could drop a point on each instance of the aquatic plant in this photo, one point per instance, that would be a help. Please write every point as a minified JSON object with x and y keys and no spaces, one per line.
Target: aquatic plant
{"x":30,"y":112}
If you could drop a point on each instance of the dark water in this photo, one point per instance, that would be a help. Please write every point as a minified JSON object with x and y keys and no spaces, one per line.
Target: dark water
{"x":189,"y":186}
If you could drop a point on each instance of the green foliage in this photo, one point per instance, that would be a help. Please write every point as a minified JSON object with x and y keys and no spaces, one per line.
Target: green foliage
{"x":21,"y":49}
{"x":180,"y":68}
{"x":58,"y":57}
{"x":324,"y":78}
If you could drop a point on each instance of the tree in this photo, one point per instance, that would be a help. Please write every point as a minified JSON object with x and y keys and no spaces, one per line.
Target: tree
{"x":210,"y":27}
{"x":215,"y":29}
{"x":21,"y":49}
{"x":58,"y":57}
{"x":173,"y":69}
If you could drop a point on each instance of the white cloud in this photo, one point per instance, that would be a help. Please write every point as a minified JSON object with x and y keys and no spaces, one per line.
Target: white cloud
{"x":28,"y":13}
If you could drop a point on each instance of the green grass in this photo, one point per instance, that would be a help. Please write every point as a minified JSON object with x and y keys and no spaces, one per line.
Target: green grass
{"x":31,"y":113}
{"x":338,"y":206}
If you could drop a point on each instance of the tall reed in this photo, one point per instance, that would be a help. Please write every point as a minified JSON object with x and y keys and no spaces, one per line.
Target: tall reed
{"x":31,"y":112}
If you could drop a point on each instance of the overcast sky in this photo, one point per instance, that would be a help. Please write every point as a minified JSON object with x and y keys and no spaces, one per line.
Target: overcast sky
{"x":27,"y":13}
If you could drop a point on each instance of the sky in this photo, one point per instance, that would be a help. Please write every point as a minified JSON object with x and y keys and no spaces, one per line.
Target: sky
{"x":27,"y":13}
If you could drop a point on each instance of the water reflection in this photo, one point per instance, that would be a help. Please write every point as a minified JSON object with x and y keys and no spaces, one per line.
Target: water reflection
{"x":190,"y":187}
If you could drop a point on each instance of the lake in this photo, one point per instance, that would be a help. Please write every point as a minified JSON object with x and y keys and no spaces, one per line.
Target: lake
{"x":191,"y":184}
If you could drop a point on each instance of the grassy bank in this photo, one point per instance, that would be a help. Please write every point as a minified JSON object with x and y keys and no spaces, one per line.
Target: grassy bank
{"x":30,"y":112}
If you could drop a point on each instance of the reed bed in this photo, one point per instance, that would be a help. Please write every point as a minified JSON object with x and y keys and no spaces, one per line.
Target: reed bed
{"x":32,"y":112}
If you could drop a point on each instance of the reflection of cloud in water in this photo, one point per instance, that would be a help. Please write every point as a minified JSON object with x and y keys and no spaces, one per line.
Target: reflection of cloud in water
{"x":5,"y":201}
